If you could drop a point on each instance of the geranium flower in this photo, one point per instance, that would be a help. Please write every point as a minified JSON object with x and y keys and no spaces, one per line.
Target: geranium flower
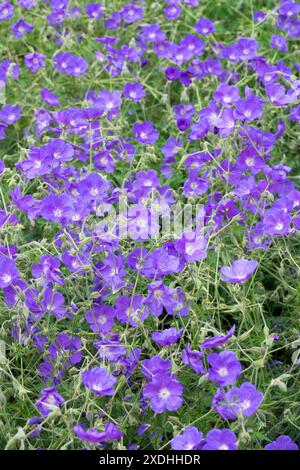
{"x":49,"y":98}
{"x":111,"y":433}
{"x":220,"y":439}
{"x":21,"y":28}
{"x":8,"y":272}
{"x":50,"y":400}
{"x":217,"y":341}
{"x":190,"y":439}
{"x":225,"y":367}
{"x":205,"y":26}
{"x":167,"y":337}
{"x":282,"y":443}
{"x":94,"y":11}
{"x":240,"y":271}
{"x":193,"y":359}
{"x":164,"y":393}
{"x":99,"y":381}
{"x":155,"y":366}
{"x":244,"y":400}
{"x":57,"y":208}
{"x":34,"y":61}
{"x":6,"y":11}
{"x":131,"y":13}
{"x":134,"y":91}
{"x":172,"y":11}
{"x":10,"y":114}
{"x":70,"y":64}
{"x":131,"y":310}
{"x":145,"y":133}
{"x":101,"y":318}
{"x":53,"y":302}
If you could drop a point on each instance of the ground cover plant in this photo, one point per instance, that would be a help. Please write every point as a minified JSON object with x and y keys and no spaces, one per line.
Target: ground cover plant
{"x":149,"y":224}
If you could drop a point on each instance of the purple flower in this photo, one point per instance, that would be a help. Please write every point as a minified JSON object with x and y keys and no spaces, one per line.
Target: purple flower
{"x":278,"y":95}
{"x":57,"y":208}
{"x":240,"y":271}
{"x":220,"y":439}
{"x":192,"y":246}
{"x":21,"y":28}
{"x":27,"y":4}
{"x":172,"y":11}
{"x":167,"y":337}
{"x":99,"y":381}
{"x":110,"y":348}
{"x":276,"y":222}
{"x":160,"y":296}
{"x":249,"y":108}
{"x":217,"y":341}
{"x":10,"y":114}
{"x":49,"y":98}
{"x":57,"y":150}
{"x":259,"y":16}
{"x":205,"y":26}
{"x":94,"y":11}
{"x":34,"y":61}
{"x":195,"y":186}
{"x":109,"y":102}
{"x":289,"y":8}
{"x":49,"y":401}
{"x":159,"y":263}
{"x":6,"y":11}
{"x":8,"y":272}
{"x":193,"y":359}
{"x":70,"y":64}
{"x":246,"y":49}
{"x":226,"y":123}
{"x":190,"y":439}
{"x":164,"y":393}
{"x":278,"y":42}
{"x":112,"y":272}
{"x":131,"y":310}
{"x":101,"y":318}
{"x":134,"y":91}
{"x":145,"y":133}
{"x":155,"y":366}
{"x":67,"y":348}
{"x":225,"y":367}
{"x":226,"y":94}
{"x":131,"y":13}
{"x":244,"y":400}
{"x":110,"y":433}
{"x":282,"y":443}
{"x":53,"y":302}
{"x":48,"y":269}
{"x":93,"y":187}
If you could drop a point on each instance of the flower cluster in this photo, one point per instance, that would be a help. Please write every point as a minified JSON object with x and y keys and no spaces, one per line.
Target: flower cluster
{"x":140,"y":183}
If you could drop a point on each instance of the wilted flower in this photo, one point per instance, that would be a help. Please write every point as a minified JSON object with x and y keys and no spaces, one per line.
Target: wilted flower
{"x":49,"y":401}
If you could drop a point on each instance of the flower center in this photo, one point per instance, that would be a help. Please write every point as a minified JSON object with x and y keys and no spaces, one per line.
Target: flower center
{"x":164,"y":393}
{"x":6,"y":278}
{"x":223,"y":447}
{"x":223,"y":372}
